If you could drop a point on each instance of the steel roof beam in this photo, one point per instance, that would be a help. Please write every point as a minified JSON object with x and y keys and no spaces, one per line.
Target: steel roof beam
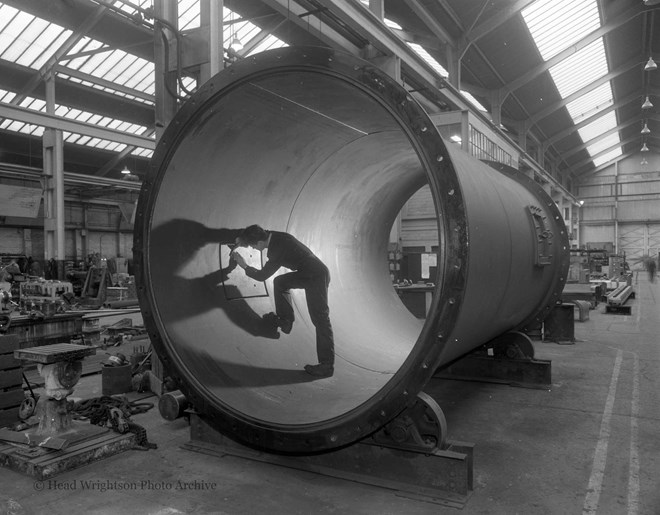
{"x":105,"y":83}
{"x":292,"y":11}
{"x":504,"y":15}
{"x":112,"y":29}
{"x":87,"y":129}
{"x":429,"y":20}
{"x":110,"y":165}
{"x":70,"y":42}
{"x":70,"y":178}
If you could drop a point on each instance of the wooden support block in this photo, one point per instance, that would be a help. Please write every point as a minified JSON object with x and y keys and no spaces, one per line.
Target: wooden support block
{"x":42,"y":463}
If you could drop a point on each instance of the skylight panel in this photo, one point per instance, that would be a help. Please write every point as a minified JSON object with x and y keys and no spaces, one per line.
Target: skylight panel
{"x":7,"y":14}
{"x":15,"y":37}
{"x":594,"y":129}
{"x":139,"y":75}
{"x":110,"y":64}
{"x":143,"y":152}
{"x":68,"y":137}
{"x":27,"y":48}
{"x":6,"y":96}
{"x":557,"y":24}
{"x":16,"y":126}
{"x":94,"y":119}
{"x":83,"y":116}
{"x":603,"y":144}
{"x":419,"y":50}
{"x":589,"y":104}
{"x":114,"y":124}
{"x":146,"y":85}
{"x":189,"y":14}
{"x":580,"y":69}
{"x":73,"y":114}
{"x":101,"y":64}
{"x":268,"y":43}
{"x":36,"y":130}
{"x":245,"y":31}
{"x":84,"y":45}
{"x":104,"y":121}
{"x":61,"y":110}
{"x":125,"y":69}
{"x":608,"y":157}
{"x":102,"y":144}
{"x":123,"y":126}
{"x":51,"y":39}
{"x":34,"y":103}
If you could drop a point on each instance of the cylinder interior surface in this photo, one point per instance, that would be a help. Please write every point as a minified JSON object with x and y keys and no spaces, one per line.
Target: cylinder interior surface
{"x":312,"y":155}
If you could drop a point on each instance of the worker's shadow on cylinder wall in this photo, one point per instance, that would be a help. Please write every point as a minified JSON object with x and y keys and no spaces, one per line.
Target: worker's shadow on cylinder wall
{"x":174,"y":246}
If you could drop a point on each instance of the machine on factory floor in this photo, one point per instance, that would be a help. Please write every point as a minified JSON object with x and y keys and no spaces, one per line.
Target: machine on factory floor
{"x":329,"y":148}
{"x":617,"y":300}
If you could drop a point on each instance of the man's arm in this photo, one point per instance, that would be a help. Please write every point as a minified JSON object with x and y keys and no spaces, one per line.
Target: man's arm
{"x":258,"y":275}
{"x":261,"y":275}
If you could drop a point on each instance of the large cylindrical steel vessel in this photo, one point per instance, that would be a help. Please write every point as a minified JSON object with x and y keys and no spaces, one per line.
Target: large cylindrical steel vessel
{"x":329,"y":148}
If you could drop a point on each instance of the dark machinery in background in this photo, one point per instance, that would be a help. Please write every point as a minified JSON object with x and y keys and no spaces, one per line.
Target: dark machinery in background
{"x":328,"y":147}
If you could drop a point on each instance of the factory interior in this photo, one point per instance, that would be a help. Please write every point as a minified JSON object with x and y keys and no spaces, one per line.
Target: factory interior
{"x":329,"y":256}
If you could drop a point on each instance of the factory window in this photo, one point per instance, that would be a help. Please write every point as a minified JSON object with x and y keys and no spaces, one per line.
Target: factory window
{"x":483,"y":148}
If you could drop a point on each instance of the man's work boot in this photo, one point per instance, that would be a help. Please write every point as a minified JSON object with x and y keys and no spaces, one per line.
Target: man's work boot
{"x":275,"y":321}
{"x":320,"y":370}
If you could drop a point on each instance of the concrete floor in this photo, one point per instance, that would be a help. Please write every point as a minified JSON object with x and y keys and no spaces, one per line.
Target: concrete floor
{"x":589,"y":444}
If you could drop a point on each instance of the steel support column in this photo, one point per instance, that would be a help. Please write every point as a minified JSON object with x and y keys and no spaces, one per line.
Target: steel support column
{"x":53,"y":158}
{"x":166,"y":84}
{"x":211,"y":19}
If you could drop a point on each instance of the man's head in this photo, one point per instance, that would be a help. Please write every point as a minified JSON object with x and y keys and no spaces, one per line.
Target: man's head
{"x":254,"y":236}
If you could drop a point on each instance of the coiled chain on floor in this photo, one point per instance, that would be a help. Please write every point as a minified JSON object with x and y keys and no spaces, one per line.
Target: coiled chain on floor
{"x":115,"y":412}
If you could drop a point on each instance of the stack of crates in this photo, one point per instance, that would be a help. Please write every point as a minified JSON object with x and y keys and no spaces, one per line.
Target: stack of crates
{"x":11,"y":380}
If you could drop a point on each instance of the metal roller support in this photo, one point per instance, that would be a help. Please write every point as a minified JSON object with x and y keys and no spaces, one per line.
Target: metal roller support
{"x":329,"y":148}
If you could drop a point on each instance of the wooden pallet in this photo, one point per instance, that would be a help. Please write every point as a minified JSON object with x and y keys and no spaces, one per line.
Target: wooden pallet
{"x":11,"y":380}
{"x":92,"y":444}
